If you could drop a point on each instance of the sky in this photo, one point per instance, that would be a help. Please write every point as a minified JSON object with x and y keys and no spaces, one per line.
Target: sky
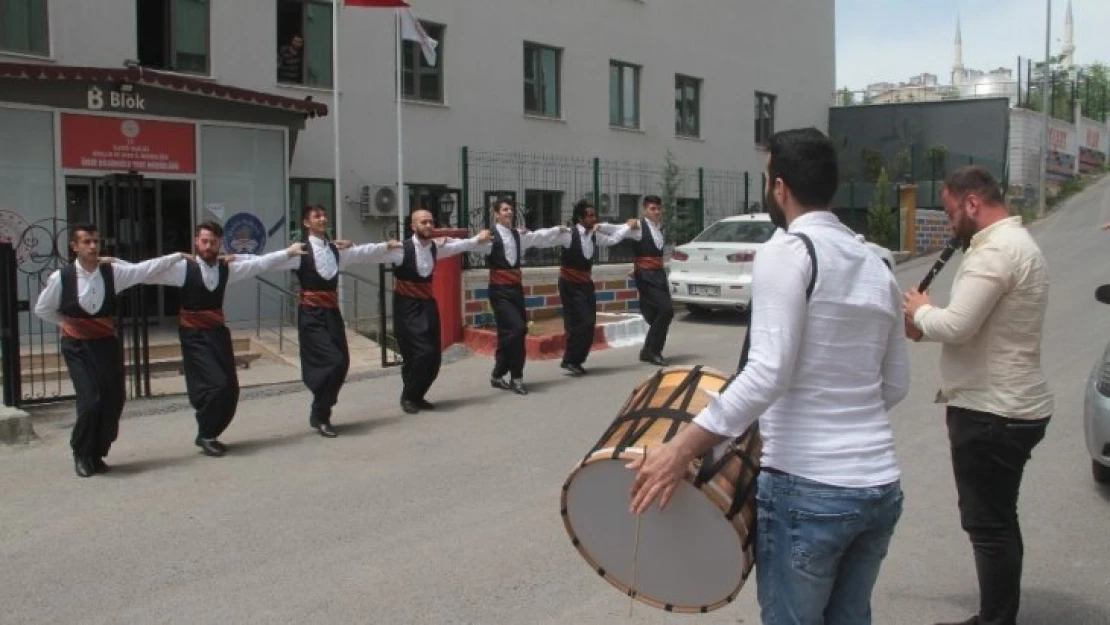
{"x":891,"y":40}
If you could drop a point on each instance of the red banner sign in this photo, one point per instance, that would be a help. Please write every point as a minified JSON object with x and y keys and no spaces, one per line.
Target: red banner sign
{"x":126,"y":144}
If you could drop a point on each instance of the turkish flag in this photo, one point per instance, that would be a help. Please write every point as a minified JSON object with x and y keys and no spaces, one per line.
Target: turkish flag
{"x":376,"y":3}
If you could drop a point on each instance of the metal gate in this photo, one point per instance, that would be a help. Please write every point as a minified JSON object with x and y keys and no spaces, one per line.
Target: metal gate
{"x":32,"y":366}
{"x":387,"y":340}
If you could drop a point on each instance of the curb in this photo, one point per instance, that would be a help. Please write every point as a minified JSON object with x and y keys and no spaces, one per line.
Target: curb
{"x":630,"y":331}
{"x":15,"y":426}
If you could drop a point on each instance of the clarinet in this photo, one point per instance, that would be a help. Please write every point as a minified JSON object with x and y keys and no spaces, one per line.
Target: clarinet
{"x":949,"y":249}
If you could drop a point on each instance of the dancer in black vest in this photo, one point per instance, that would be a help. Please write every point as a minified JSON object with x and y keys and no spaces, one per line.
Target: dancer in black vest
{"x":506,"y":292}
{"x":81,"y":298}
{"x":320,"y":329}
{"x":651,"y":281}
{"x":210,"y":374}
{"x":415,"y":314}
{"x":576,"y":282}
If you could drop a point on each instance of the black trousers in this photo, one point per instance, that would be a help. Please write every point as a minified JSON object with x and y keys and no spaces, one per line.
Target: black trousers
{"x":989,"y":453}
{"x":210,"y":378}
{"x":656,"y":307}
{"x":512,"y":328}
{"x":324,"y":357}
{"x":416,"y":325}
{"x":96,"y":370}
{"x":579,"y":319}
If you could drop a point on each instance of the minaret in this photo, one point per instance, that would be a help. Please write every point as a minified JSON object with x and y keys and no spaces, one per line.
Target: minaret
{"x":958,"y":62}
{"x":1068,"y":51}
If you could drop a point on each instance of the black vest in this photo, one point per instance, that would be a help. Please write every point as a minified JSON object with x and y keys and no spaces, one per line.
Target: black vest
{"x":196,"y":296}
{"x":407,"y":269}
{"x":307,"y":275}
{"x":70,"y":307}
{"x":497,"y":259}
{"x":572,"y":256}
{"x":646,"y":245}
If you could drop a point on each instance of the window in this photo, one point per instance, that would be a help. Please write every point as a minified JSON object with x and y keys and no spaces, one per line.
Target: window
{"x":764,"y":117}
{"x":628,"y":206}
{"x":23,"y":27}
{"x":624,"y":95}
{"x":309,"y":191}
{"x":542,"y":209}
{"x":304,"y":40}
{"x":687,"y":106}
{"x":737,"y":232}
{"x":173,"y":34}
{"x":425,"y":82}
{"x":541,"y":79}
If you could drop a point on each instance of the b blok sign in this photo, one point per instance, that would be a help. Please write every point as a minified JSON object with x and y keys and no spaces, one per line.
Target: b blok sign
{"x":126,"y":144}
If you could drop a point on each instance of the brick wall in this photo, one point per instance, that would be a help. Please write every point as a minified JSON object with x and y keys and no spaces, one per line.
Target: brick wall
{"x":616,"y":292}
{"x":932,"y":230}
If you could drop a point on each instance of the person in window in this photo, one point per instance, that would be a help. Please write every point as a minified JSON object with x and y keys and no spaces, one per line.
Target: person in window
{"x":291,"y":60}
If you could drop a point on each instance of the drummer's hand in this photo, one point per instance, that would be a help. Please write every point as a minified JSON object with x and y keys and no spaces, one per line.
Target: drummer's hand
{"x":658,"y":473}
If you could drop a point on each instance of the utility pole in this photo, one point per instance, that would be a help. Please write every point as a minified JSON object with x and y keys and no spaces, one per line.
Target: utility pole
{"x":1046,"y":70}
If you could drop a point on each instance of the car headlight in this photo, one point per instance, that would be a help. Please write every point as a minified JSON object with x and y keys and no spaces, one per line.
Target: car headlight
{"x":1103,"y":384}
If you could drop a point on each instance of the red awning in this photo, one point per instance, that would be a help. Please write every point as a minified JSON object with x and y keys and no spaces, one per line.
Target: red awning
{"x":161,"y":80}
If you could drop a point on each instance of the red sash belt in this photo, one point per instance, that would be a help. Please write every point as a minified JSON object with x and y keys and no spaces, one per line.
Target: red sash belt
{"x":576,"y":276}
{"x":88,"y":328}
{"x":506,"y":277}
{"x":320,"y":299}
{"x":201,"y":319}
{"x":415,"y":290}
{"x":648,"y":262}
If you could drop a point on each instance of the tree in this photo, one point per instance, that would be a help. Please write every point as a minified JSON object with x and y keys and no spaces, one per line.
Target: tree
{"x":872,"y":163}
{"x":1090,"y":86}
{"x":882,"y":221}
{"x":847,"y":98}
{"x":675,"y":222}
{"x":936,"y":159}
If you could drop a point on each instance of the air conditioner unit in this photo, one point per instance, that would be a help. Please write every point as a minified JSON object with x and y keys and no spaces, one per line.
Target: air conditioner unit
{"x":377,"y":201}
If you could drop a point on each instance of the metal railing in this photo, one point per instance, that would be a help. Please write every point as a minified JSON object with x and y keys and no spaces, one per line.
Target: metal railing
{"x":373,"y":286}
{"x":286,"y":296}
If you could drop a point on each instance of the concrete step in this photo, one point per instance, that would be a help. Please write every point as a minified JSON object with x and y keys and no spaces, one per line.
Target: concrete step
{"x":161,"y":348}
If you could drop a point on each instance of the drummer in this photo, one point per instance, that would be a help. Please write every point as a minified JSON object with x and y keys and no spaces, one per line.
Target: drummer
{"x":821,"y":377}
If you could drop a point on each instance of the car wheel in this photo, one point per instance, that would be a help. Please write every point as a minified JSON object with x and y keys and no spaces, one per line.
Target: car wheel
{"x":1101,"y":472}
{"x":696,"y":310}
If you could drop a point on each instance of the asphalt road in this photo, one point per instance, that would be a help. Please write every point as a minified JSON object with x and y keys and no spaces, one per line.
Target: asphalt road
{"x":452,"y":516}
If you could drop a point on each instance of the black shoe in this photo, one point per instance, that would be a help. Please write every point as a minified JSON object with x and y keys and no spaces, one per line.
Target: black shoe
{"x":500,"y":383}
{"x":210,"y":447}
{"x":83,"y":466}
{"x":517,"y":386}
{"x":100,"y":466}
{"x":654,"y":359}
{"x":573,"y":368}
{"x":409,"y":406}
{"x":424,"y":404}
{"x":971,"y":621}
{"x":324,"y":429}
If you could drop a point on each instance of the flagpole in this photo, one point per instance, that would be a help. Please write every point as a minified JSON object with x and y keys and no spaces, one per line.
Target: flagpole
{"x":400,"y":146}
{"x":338,"y":196}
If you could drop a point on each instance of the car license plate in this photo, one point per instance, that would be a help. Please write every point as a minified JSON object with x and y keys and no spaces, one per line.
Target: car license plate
{"x":705,"y":290}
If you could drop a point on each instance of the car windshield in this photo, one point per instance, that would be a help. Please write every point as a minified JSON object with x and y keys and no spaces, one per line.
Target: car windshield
{"x":737,"y":232}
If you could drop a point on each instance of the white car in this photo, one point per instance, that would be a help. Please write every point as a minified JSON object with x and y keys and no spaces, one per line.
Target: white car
{"x":714,"y":271}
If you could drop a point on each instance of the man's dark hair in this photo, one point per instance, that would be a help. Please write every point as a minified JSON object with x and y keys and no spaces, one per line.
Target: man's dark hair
{"x":579,"y":212}
{"x":652,"y":199}
{"x":974,"y":179}
{"x":503,"y":199}
{"x":805,"y":159}
{"x":81,"y":226}
{"x":311,"y":208}
{"x":210,"y":226}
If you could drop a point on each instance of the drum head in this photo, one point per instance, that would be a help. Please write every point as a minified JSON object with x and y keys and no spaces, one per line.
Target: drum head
{"x":690,"y":557}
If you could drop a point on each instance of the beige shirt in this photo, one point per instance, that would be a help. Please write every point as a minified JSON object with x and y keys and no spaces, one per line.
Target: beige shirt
{"x":991,"y":328}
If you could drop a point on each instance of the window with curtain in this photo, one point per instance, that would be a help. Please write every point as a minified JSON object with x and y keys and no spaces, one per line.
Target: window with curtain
{"x":541,"y":79}
{"x":764,"y":117}
{"x":304,"y":29}
{"x":687,"y":106}
{"x":24,"y":27}
{"x":173,"y":34}
{"x":420,"y":81}
{"x":624,"y":95}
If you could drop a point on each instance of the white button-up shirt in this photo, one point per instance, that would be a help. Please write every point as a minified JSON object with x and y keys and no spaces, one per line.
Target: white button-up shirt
{"x":991,"y":328}
{"x":822,"y":374}
{"x":325,"y":260}
{"x":654,"y":228}
{"x":243,"y":267}
{"x":91,"y":288}
{"x":606,"y":236}
{"x":544,"y":237}
{"x":445,"y":249}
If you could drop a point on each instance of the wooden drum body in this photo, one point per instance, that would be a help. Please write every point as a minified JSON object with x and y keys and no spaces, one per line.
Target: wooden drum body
{"x":695,"y":555}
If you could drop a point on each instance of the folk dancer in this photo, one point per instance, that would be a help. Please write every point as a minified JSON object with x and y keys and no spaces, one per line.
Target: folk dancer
{"x":576,"y":282}
{"x":211,"y":379}
{"x":415,"y":314}
{"x":320,"y":329}
{"x":506,"y":292}
{"x":81,"y":298}
{"x":651,"y":281}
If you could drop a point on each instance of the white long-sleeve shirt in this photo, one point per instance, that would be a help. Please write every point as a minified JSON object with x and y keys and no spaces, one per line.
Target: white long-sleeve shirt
{"x":821,"y":375}
{"x":656,"y":233}
{"x":605,"y":238}
{"x":991,"y":328}
{"x":243,"y":267}
{"x":325,"y":260}
{"x":424,"y":262}
{"x":91,"y":288}
{"x":544,"y":237}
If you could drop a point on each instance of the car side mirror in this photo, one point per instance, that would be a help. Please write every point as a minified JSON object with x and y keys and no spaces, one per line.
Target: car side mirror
{"x":1102,"y":294}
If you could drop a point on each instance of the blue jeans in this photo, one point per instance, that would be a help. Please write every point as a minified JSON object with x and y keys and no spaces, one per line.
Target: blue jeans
{"x":819,"y":548}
